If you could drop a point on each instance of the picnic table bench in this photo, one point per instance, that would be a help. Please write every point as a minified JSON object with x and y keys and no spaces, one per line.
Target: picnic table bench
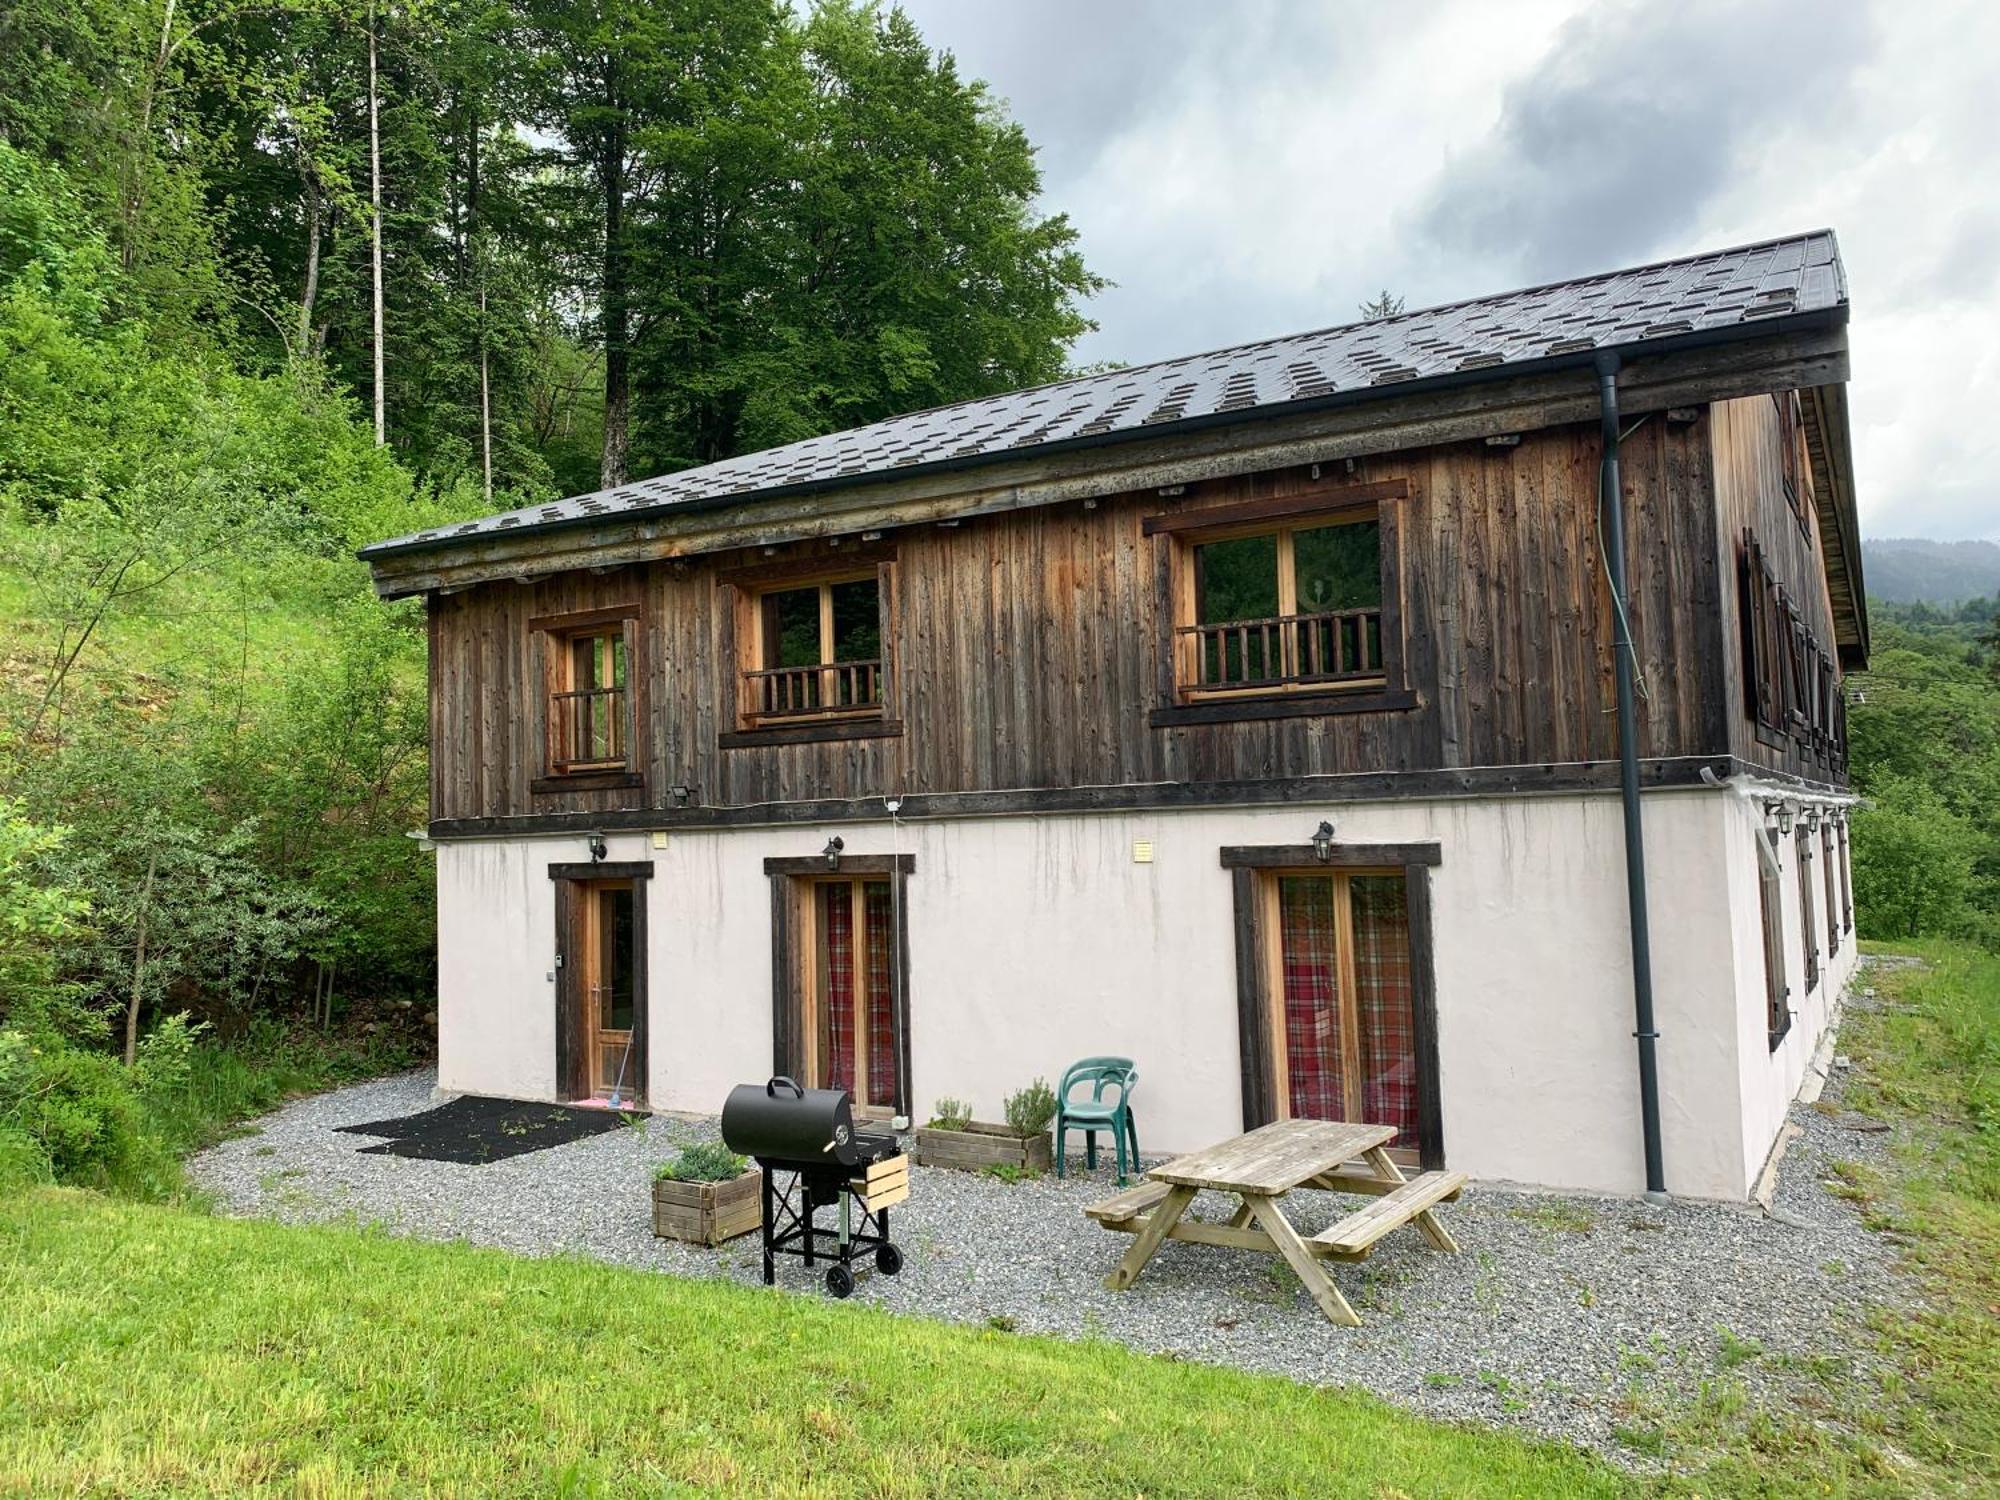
{"x":1260,"y":1168}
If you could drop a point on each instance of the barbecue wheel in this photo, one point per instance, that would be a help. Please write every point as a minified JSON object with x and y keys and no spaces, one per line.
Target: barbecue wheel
{"x":888,"y":1259}
{"x":840,"y":1281}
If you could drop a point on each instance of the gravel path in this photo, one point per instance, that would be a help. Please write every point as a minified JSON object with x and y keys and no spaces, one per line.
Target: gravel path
{"x":1563,"y":1315}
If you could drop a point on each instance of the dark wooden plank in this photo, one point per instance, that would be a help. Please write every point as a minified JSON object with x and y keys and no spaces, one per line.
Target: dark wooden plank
{"x":1338,"y":856}
{"x":1252,"y":1017}
{"x":850,"y":864}
{"x":788,"y":1056}
{"x":1423,"y":1001}
{"x":1331,"y":498}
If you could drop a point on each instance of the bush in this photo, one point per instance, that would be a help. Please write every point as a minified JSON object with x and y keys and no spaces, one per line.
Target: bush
{"x":704,"y":1161}
{"x":80,"y":1114}
{"x":1913,"y":862}
{"x":1031,"y":1111}
{"x":950,"y":1114}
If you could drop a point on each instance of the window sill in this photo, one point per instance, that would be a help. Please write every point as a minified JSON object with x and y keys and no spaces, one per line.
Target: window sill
{"x":1284,"y":706}
{"x":1778,"y":1037}
{"x":818,"y":732}
{"x":586,"y":781}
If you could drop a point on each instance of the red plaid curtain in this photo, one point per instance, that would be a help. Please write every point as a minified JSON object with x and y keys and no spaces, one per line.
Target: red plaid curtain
{"x":836,"y":926}
{"x":877,"y":913}
{"x":1380,"y":914}
{"x":1312,"y":999}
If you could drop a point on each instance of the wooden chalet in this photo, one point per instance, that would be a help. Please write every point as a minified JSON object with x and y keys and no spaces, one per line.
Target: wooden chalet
{"x":1252,"y":714}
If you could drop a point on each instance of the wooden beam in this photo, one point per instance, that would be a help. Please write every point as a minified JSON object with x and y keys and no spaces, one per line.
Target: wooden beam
{"x":1338,"y":856}
{"x":1319,"y":501}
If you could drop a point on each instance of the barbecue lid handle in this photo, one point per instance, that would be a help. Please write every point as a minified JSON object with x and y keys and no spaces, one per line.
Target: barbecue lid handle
{"x":771,"y":1088}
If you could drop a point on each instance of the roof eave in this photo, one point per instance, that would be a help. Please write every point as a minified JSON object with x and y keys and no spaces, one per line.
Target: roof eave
{"x":1762,"y":328}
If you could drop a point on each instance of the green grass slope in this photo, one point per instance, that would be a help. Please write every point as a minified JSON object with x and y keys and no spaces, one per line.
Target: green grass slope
{"x":150,"y":1351}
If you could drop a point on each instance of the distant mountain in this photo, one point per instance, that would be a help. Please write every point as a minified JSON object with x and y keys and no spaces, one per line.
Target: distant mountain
{"x":1908,"y":569}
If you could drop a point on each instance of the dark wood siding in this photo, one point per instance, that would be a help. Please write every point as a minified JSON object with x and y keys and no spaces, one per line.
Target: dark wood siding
{"x":1749,"y":495}
{"x":1031,"y":647}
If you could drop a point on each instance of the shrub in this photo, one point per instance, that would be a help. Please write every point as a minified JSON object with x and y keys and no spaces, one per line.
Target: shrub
{"x":80,"y":1113}
{"x":704,"y":1161}
{"x":1913,"y":862}
{"x":950,"y":1114}
{"x":1032,"y":1110}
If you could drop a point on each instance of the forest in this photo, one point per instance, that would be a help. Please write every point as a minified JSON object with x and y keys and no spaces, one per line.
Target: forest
{"x":282,"y":277}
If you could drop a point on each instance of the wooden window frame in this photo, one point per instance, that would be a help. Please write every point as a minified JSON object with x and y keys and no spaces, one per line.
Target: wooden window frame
{"x":745,"y":648}
{"x":1179,"y":533}
{"x":1254,"y":872}
{"x":553,"y":637}
{"x":1771,"y":910}
{"x":795,"y":986}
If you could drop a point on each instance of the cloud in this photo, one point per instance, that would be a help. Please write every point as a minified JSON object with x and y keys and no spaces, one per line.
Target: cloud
{"x":1261,"y":167}
{"x":1637,"y":118}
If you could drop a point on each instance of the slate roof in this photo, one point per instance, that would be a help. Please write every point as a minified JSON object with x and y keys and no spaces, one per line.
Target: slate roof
{"x":1707,"y":295}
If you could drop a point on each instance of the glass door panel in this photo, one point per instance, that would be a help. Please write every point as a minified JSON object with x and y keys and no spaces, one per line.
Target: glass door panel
{"x":1385,"y":1007}
{"x":854,"y":974}
{"x":1345,"y":1013}
{"x":1317,"y":1085}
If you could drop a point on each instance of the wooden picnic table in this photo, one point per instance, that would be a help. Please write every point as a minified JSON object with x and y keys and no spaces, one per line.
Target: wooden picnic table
{"x":1260,"y":1168}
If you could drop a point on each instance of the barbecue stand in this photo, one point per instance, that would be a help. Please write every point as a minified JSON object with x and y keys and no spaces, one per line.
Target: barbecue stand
{"x":814,"y":1158}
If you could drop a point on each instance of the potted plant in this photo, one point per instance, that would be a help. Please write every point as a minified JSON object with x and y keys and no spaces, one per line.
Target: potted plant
{"x":954,"y":1139}
{"x":707,"y":1194}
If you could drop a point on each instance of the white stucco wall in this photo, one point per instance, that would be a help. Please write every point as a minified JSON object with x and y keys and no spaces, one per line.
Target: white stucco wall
{"x":1769,"y":1078}
{"x":1038,"y":940}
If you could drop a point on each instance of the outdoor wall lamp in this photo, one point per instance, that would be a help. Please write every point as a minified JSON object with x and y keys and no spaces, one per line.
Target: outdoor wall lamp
{"x":832,"y":851}
{"x":597,"y":849}
{"x":1785,"y":814}
{"x":1323,"y":841}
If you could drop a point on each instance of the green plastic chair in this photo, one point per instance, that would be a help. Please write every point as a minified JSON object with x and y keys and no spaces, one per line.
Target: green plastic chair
{"x":1102,"y":1074}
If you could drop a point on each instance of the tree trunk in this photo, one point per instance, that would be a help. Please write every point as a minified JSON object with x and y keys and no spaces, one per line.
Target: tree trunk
{"x":617,"y":316}
{"x":485,"y":396}
{"x":478,"y":239}
{"x":139,"y":965}
{"x":375,"y":224}
{"x":309,"y":292}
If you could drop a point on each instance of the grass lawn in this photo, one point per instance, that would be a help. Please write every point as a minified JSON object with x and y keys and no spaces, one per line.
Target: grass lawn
{"x":148,"y":1350}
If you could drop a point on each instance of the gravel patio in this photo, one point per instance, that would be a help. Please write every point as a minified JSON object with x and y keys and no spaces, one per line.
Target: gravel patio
{"x":1559,"y":1313}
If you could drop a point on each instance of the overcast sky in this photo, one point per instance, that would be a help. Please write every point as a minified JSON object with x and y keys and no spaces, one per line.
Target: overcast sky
{"x":1258,"y":168}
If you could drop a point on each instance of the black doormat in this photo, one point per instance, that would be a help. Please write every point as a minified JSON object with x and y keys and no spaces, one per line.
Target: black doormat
{"x":473,"y":1129}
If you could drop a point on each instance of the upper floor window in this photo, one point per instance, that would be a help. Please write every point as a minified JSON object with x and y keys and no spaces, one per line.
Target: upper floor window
{"x":1301,"y":602}
{"x":588,"y":664}
{"x":817,"y":652}
{"x":1294,"y":607}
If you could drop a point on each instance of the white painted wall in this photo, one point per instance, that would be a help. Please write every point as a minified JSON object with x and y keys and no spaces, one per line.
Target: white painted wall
{"x":1038,"y":940}
{"x":1769,"y":1078}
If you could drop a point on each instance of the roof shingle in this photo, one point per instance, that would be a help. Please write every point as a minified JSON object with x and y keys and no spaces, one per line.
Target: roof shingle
{"x":1702,"y":294}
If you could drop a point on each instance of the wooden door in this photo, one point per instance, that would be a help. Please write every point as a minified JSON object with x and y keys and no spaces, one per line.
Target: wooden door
{"x":601,"y":1036}
{"x":1343,"y":1022}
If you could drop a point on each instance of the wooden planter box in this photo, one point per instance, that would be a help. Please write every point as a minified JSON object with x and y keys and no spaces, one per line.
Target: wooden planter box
{"x":978,"y":1146}
{"x":707,"y":1213}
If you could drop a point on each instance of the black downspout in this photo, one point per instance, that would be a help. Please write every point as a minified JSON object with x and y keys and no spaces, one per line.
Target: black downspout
{"x":1611,"y":510}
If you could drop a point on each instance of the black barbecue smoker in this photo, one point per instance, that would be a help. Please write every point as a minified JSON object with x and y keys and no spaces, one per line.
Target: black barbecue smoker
{"x":814,"y":1158}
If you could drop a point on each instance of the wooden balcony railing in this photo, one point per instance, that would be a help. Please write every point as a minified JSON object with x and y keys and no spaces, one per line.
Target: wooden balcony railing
{"x":838,"y":688}
{"x":587,"y":731}
{"x":1283,"y":651}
